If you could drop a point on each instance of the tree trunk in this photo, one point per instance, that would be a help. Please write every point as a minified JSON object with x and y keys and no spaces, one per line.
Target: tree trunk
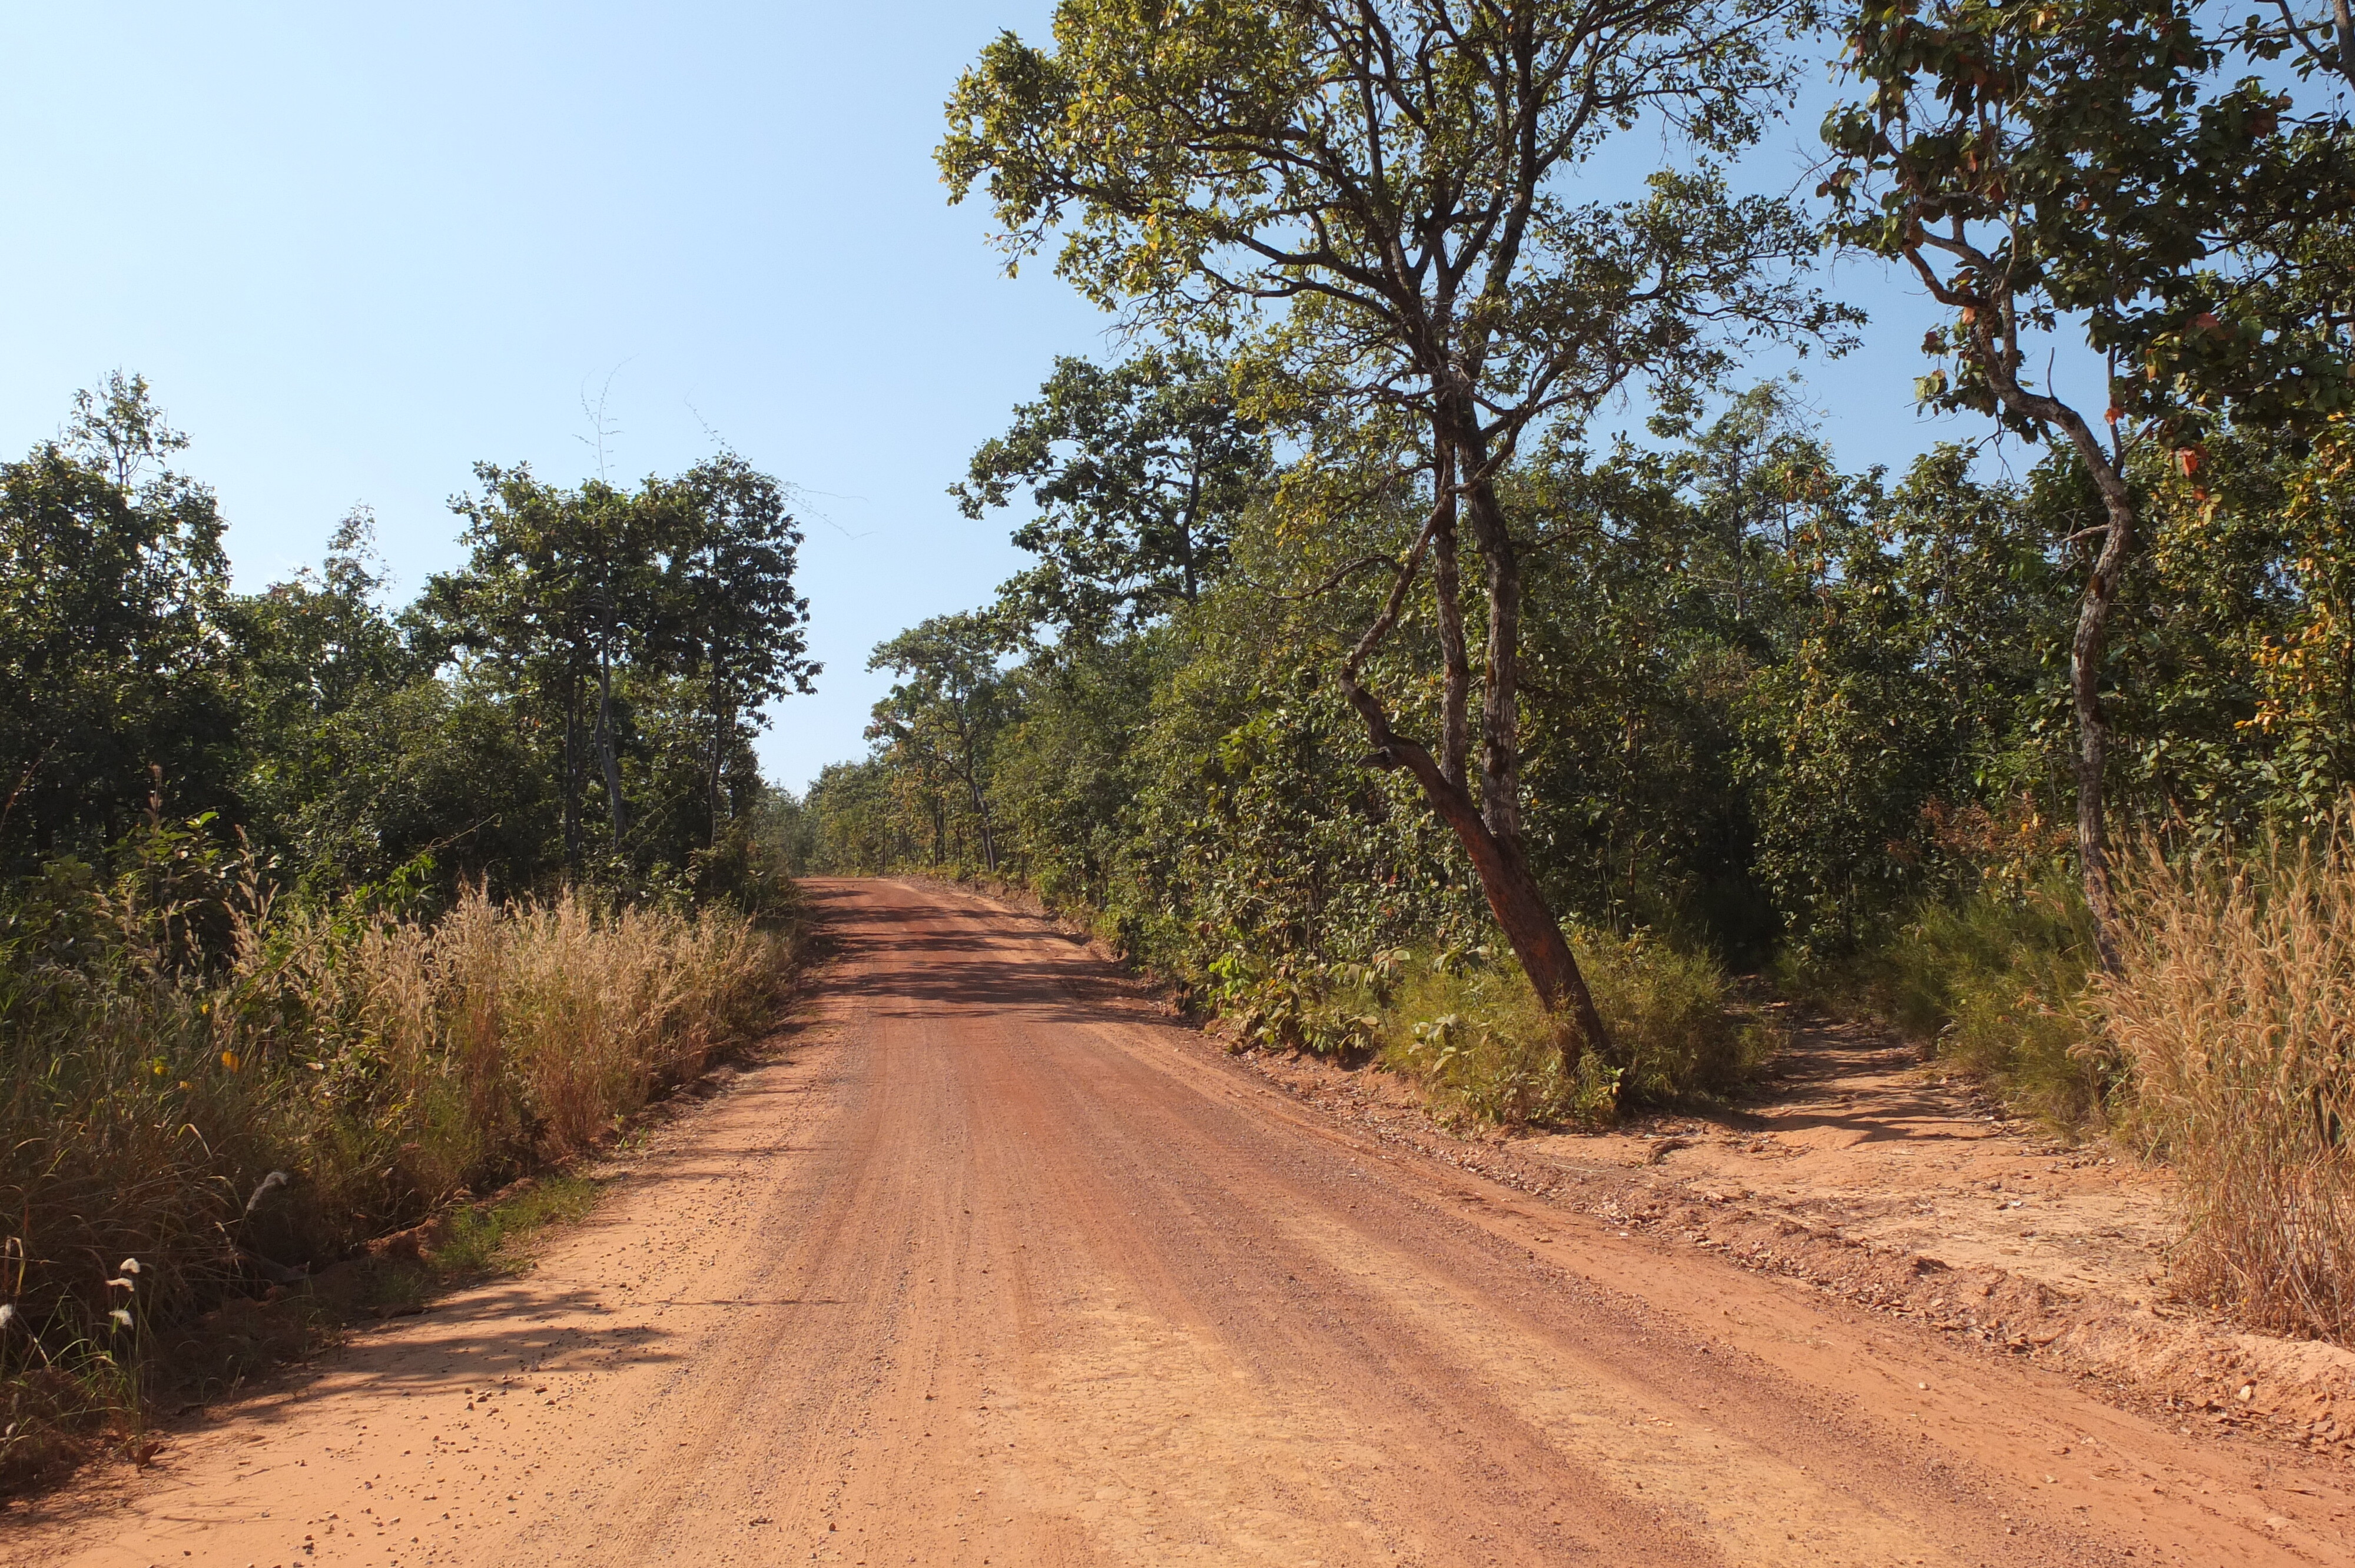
{"x":1501,"y":689}
{"x":1497,"y":858}
{"x":1455,"y":724}
{"x":981,"y":820}
{"x":572,"y":773}
{"x":1186,"y":527}
{"x":605,"y":754}
{"x":719,"y":735}
{"x":1513,"y":894}
{"x":1993,"y":343}
{"x":2085,"y":654}
{"x":2085,"y":651}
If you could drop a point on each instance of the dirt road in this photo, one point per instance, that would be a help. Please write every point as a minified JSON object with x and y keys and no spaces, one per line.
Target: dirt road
{"x":993,"y":1266}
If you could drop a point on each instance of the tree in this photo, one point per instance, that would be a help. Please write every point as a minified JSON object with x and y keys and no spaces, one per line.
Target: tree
{"x":945,"y":712}
{"x":2087,"y":162}
{"x":112,"y":586}
{"x":2316,"y":45}
{"x":562,"y":586}
{"x":850,"y":803}
{"x":308,"y":651}
{"x":1378,"y":193}
{"x":1138,"y":472}
{"x":733,"y":618}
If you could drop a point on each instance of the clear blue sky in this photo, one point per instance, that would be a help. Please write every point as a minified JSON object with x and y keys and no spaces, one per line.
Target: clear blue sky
{"x":357,"y":249}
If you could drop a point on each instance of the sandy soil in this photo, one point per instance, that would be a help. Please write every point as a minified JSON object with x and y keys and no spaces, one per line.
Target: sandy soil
{"x":996,"y":1266}
{"x":1861,"y":1171}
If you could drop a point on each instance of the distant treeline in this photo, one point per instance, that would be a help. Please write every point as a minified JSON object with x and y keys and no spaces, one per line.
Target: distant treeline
{"x":575,"y":705}
{"x":1769,"y":706}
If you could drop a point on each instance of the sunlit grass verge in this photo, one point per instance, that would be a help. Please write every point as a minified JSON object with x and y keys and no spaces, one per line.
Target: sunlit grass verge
{"x":1485,"y":1049}
{"x":485,"y":1237}
{"x":232,"y":1095}
{"x":1465,"y":1024}
{"x":2237,"y":1015}
{"x":1995,"y":982}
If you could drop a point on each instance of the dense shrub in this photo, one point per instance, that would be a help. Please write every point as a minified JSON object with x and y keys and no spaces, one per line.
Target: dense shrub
{"x":1476,"y":1035}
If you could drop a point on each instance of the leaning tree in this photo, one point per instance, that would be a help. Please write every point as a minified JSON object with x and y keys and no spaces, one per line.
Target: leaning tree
{"x":1420,"y":208}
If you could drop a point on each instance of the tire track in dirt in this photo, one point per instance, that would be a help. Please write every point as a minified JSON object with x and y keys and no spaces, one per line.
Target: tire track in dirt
{"x":995,"y":1267}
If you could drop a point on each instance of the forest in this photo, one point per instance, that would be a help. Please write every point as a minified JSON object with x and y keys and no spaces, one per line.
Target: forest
{"x":1442,"y":647}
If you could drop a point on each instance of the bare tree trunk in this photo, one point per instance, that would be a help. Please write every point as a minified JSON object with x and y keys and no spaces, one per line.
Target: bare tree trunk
{"x":1500,"y":683}
{"x":605,"y":753}
{"x":969,"y":770}
{"x":2085,"y":652}
{"x":981,"y":819}
{"x":1513,"y":894}
{"x":1993,"y":341}
{"x":2091,"y":639}
{"x":1455,"y":724}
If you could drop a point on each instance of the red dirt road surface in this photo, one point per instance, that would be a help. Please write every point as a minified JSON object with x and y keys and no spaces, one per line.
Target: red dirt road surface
{"x":995,"y":1266}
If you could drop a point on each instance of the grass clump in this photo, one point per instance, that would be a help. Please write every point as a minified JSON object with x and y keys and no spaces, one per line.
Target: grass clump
{"x":1678,"y":1034}
{"x":1487,"y":1050}
{"x":2235,"y":1012}
{"x":484,"y":1237}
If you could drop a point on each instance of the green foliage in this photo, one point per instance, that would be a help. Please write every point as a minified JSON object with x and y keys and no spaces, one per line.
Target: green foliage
{"x":112,"y":582}
{"x":1995,"y":980}
{"x":2098,"y":161}
{"x":1775,"y":714}
{"x":1486,"y":1051}
{"x":368,"y":975}
{"x":631,"y":636}
{"x":637,"y":634}
{"x":1138,"y":472}
{"x":1679,"y":1037}
{"x":858,"y":828}
{"x":1199,"y":160}
{"x":1414,"y":280}
{"x":485,"y":1237}
{"x":1477,"y":1038}
{"x":940,"y":724}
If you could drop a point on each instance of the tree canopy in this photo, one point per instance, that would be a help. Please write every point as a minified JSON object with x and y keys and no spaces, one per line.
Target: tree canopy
{"x":1379,"y":199}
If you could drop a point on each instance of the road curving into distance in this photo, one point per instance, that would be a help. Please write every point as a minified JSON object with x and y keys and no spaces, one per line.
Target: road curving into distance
{"x":995,"y":1266}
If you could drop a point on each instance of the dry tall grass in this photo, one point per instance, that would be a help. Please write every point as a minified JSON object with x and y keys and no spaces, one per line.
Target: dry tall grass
{"x":2236,"y":1013}
{"x":147,"y":1093}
